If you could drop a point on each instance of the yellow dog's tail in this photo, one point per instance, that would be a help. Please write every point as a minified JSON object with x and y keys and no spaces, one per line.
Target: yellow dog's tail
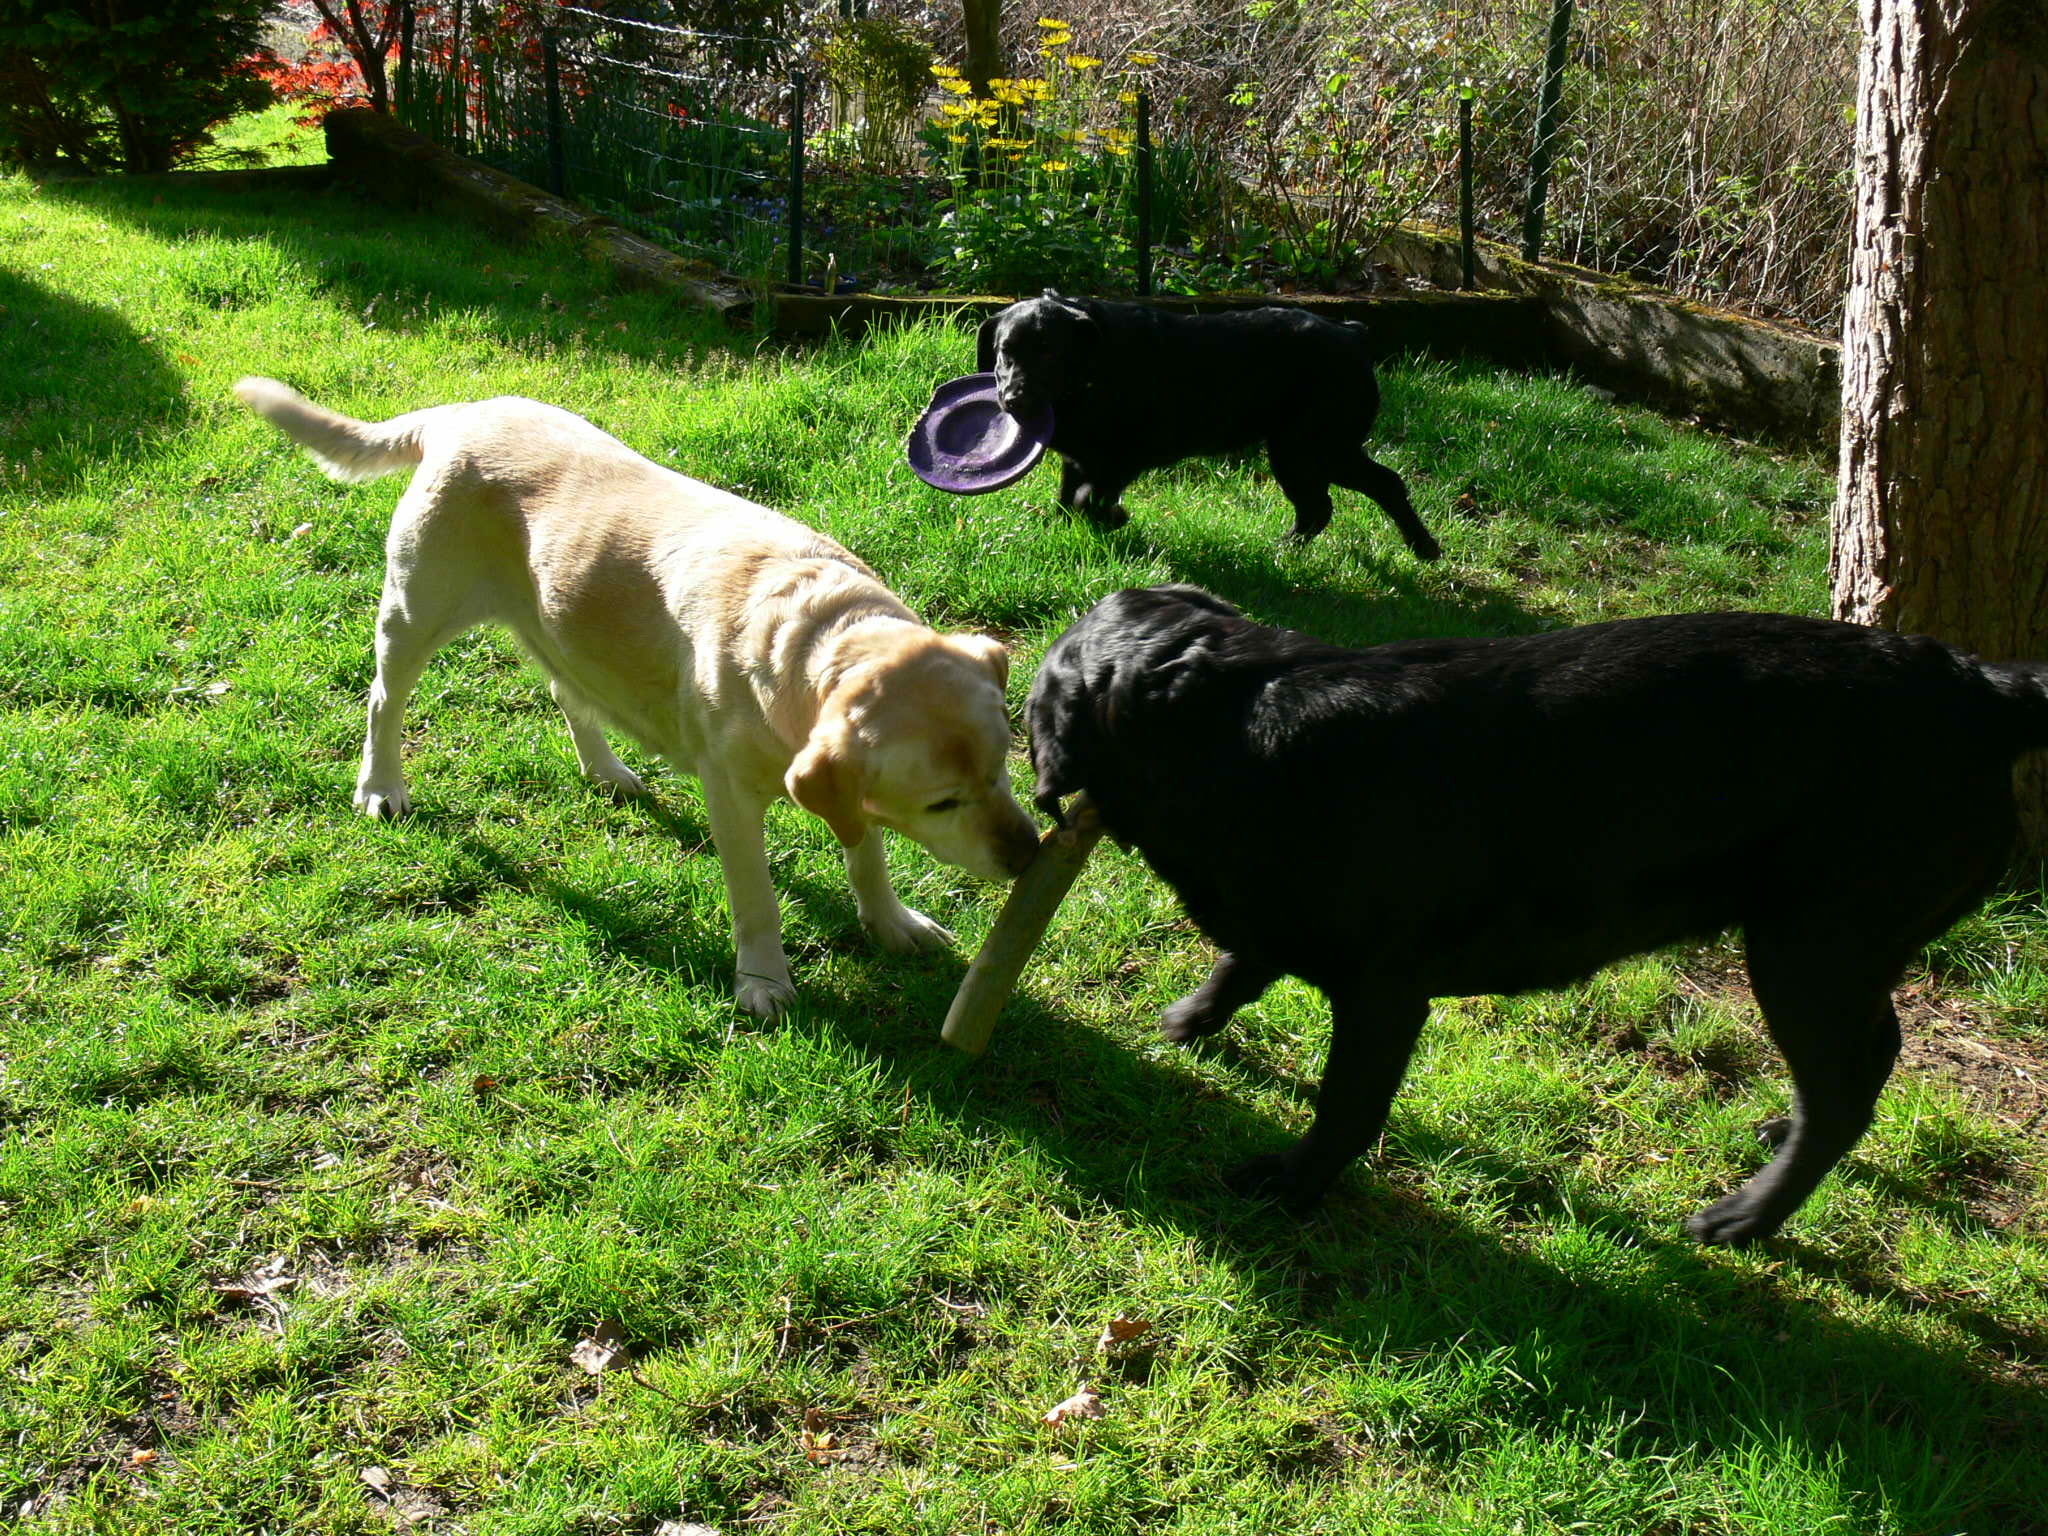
{"x":345,"y":448}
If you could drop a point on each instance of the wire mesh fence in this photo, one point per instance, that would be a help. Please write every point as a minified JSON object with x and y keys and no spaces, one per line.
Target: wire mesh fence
{"x":680,"y":132}
{"x":1700,"y":144}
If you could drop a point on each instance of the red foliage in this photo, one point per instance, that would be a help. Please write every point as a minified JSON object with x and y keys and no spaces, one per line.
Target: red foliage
{"x":321,"y":82}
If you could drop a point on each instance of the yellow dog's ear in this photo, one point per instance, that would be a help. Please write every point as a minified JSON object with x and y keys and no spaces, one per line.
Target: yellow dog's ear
{"x":987,"y":652}
{"x":826,"y":781}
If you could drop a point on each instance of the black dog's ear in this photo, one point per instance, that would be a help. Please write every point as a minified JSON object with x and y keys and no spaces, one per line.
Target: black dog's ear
{"x":985,"y":344}
{"x":1083,"y":339}
{"x":1060,"y":731}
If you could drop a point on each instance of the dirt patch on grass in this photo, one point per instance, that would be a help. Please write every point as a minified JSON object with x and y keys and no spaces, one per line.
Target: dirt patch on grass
{"x":2003,"y":1077}
{"x":1942,"y":1035}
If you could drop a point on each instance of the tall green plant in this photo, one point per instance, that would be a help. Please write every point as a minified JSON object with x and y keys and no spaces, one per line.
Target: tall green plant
{"x":882,"y":70}
{"x":1353,"y":137}
{"x":123,"y":84}
{"x":1039,"y":175}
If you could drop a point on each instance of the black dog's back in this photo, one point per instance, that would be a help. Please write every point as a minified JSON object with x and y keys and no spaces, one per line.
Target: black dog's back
{"x":1134,"y":387}
{"x":1450,"y":817}
{"x":1211,"y":383}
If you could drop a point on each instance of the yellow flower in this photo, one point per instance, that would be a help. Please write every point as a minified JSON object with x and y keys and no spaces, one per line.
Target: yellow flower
{"x":1052,"y":25}
{"x":956,"y":138}
{"x":957,"y":87}
{"x":1144,"y":60}
{"x":1081,"y":61}
{"x":1128,"y":98}
{"x":1118,"y":149}
{"x":945,"y":72}
{"x":1053,"y":165}
{"x":955,"y":108}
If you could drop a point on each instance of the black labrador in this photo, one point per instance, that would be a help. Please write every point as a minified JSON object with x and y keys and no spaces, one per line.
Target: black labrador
{"x":1453,"y":817}
{"x":1133,"y":388}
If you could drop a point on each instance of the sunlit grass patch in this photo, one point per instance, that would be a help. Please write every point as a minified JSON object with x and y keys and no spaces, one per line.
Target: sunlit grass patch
{"x":325,"y":1143}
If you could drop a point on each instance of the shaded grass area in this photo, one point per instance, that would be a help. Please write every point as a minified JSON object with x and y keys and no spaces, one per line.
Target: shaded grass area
{"x":327,"y":1141}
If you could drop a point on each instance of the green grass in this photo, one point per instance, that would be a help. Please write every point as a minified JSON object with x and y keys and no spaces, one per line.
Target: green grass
{"x":271,"y":137}
{"x":325,"y":1142}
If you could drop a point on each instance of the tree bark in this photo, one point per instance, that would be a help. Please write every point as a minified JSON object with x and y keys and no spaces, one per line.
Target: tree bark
{"x":982,"y":23}
{"x":1941,"y":522}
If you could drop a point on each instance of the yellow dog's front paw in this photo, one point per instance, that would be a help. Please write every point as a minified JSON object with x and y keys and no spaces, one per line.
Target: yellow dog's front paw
{"x":903,"y":932}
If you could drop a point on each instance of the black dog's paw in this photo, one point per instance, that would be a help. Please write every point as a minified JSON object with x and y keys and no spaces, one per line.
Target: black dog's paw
{"x":1426,"y":548}
{"x":1274,"y":1178}
{"x":1112,"y":516}
{"x":1190,"y":1019}
{"x":1772,"y":1133}
{"x":1735,"y":1221}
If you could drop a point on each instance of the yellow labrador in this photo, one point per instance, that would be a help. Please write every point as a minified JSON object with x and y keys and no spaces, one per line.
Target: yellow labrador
{"x":737,"y":644}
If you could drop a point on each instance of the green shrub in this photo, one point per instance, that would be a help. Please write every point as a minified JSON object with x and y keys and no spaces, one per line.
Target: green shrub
{"x":883,"y":69}
{"x":119,"y":84}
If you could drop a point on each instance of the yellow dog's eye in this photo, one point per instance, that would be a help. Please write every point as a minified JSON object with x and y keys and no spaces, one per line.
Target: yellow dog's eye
{"x":939,"y":807}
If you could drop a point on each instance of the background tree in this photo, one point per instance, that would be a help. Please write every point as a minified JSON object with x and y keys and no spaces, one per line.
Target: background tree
{"x":369,"y":32}
{"x":982,"y":24}
{"x":133,"y":84}
{"x":1941,"y":525}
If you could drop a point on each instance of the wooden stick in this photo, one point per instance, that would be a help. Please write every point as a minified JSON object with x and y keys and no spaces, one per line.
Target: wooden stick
{"x":1019,"y":926}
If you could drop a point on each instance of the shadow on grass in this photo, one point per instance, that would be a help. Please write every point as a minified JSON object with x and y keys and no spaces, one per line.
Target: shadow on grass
{"x":1596,"y":1317}
{"x":1609,"y":1323}
{"x":1690,"y":1351}
{"x":358,"y":252}
{"x":1600,"y":1320}
{"x":78,"y":385}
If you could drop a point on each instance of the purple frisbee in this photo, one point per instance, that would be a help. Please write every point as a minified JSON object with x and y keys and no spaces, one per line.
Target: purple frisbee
{"x":965,"y":442}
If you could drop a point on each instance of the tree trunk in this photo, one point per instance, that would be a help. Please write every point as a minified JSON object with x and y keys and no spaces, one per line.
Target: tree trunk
{"x":367,"y":43}
{"x":1941,"y":524}
{"x":982,"y":22}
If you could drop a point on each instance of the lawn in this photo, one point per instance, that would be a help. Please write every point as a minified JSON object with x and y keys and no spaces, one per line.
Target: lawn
{"x":335,"y":1152}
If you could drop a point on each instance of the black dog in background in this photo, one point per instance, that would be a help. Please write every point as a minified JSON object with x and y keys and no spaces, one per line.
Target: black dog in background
{"x":1451,"y":817}
{"x":1134,"y":388}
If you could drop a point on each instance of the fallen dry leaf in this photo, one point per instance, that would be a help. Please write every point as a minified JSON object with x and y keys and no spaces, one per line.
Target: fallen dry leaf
{"x":141,"y":1456}
{"x":818,"y":1440}
{"x":684,"y":1528}
{"x":602,"y":1351}
{"x":377,"y":1478}
{"x":1084,"y":1404}
{"x":1122,"y":1330}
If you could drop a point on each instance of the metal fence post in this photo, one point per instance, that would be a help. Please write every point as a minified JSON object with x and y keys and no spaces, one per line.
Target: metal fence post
{"x":796,"y":179}
{"x":551,"y":65}
{"x":1467,"y":257}
{"x":1546,"y":130}
{"x":405,"y":21}
{"x":1144,"y":193}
